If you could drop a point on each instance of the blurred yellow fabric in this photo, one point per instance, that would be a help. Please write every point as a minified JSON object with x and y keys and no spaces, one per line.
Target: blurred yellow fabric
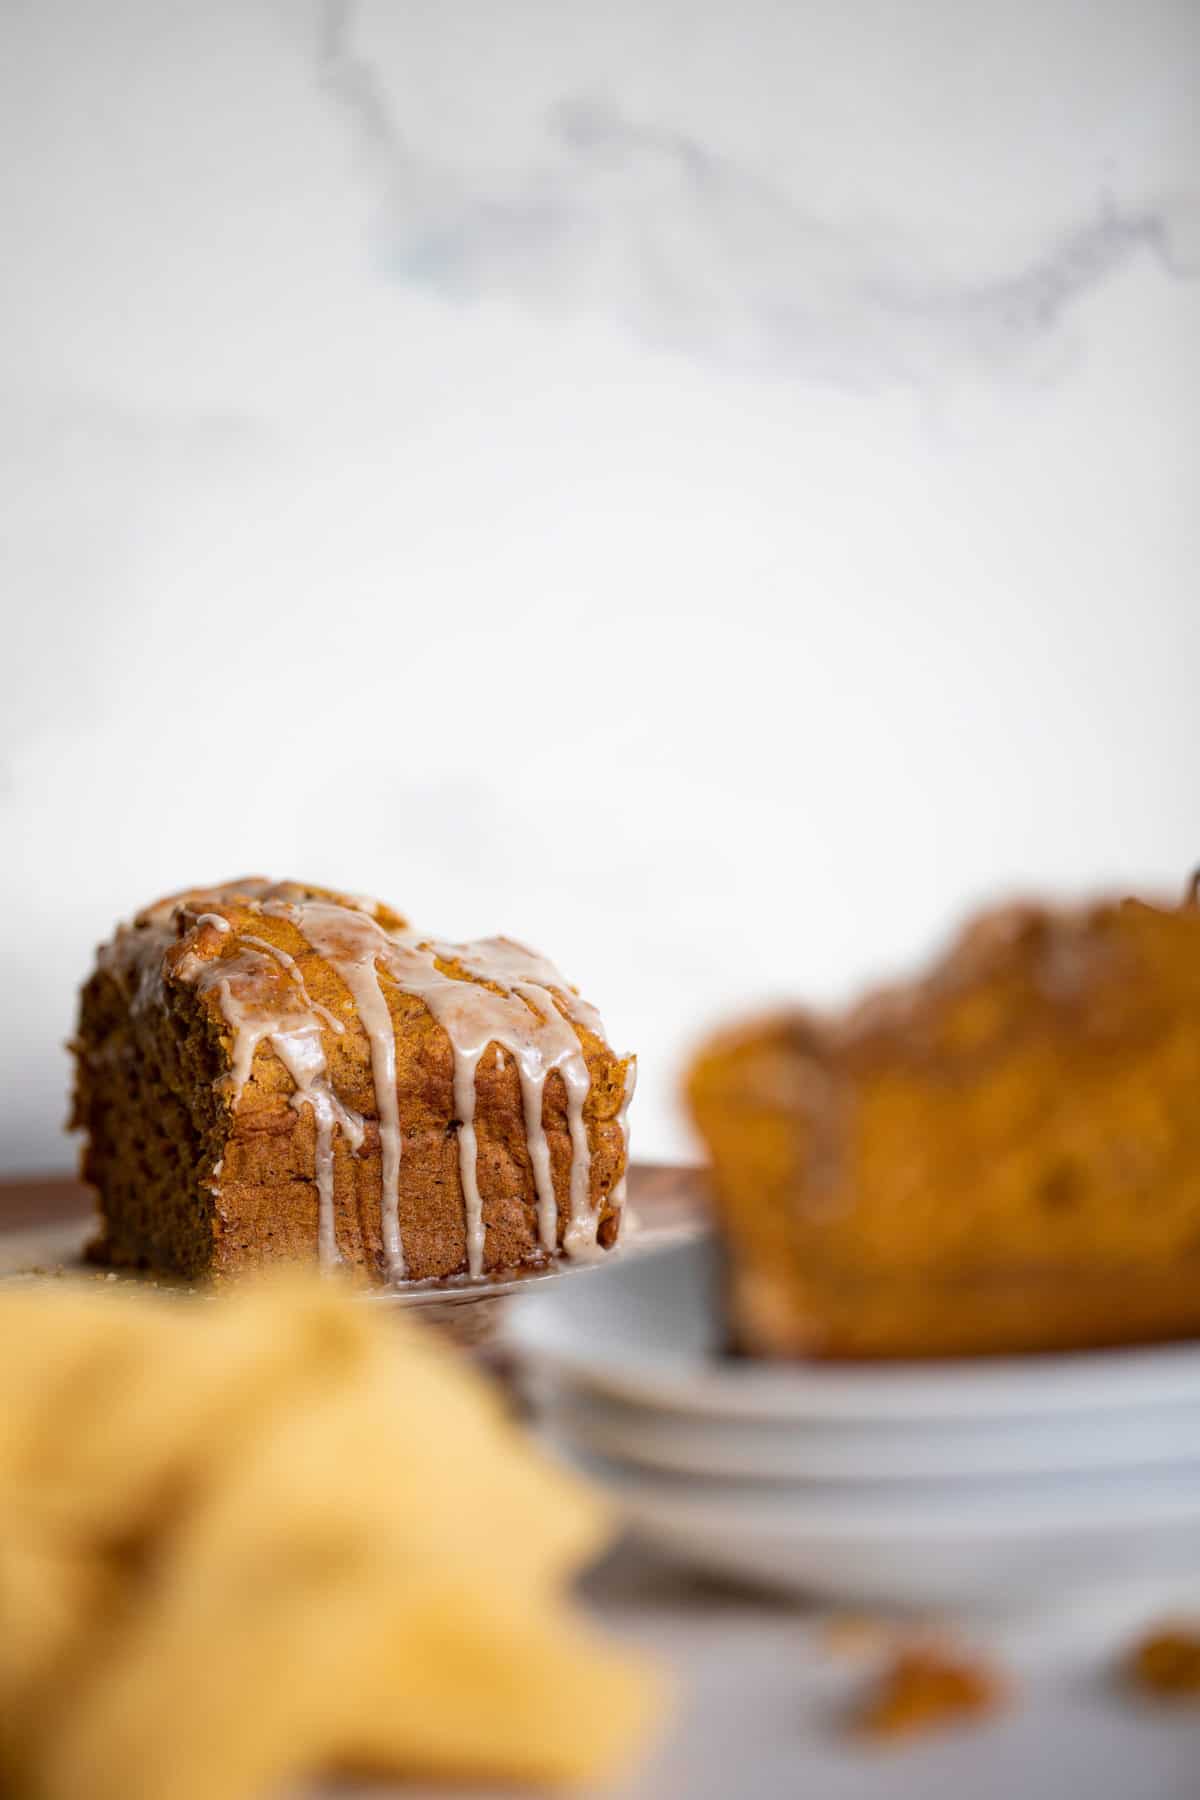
{"x":257,"y":1537}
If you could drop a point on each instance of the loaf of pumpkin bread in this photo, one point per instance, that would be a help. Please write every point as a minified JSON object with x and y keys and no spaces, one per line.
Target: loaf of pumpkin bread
{"x":1003,"y":1156}
{"x":275,"y":1071}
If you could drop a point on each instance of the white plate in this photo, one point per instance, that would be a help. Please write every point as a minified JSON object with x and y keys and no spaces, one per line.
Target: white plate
{"x":868,"y":1450}
{"x":647,"y":1331}
{"x":997,"y":1554}
{"x":59,"y":1249}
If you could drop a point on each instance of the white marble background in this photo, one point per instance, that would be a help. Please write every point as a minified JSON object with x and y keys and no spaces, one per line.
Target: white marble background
{"x":709,"y":489}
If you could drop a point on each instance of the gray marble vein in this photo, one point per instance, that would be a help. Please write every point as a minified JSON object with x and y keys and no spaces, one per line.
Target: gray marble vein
{"x":695,"y":252}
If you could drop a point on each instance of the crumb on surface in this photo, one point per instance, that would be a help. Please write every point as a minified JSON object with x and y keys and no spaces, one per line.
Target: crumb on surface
{"x":924,"y":1689}
{"x":1166,"y":1663}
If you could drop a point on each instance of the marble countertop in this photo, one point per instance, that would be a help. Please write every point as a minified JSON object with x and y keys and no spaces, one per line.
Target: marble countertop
{"x":761,"y":1704}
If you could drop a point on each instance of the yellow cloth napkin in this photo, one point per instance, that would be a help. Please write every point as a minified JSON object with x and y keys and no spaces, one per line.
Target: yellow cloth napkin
{"x":275,"y":1533}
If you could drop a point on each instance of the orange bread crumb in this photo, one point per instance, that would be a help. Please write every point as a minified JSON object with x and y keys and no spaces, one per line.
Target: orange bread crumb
{"x":928,"y":1690}
{"x":1166,"y":1663}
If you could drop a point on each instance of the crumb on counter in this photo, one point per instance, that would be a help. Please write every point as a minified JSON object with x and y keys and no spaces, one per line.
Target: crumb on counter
{"x":924,"y":1689}
{"x":1166,"y":1662}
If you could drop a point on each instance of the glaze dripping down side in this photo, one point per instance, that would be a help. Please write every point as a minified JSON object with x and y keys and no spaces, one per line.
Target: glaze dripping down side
{"x":493,"y":993}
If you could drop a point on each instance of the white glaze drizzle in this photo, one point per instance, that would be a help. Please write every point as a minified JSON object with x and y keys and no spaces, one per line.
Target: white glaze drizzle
{"x":302,"y":1056}
{"x":619,"y":1191}
{"x":554,"y":1045}
{"x":524,"y":1018}
{"x":289,"y":963}
{"x":217,"y":920}
{"x":513,"y":998}
{"x":465,"y":1066}
{"x":527,"y":1022}
{"x":532,"y":1094}
{"x":134,"y":960}
{"x":247,"y":989}
{"x":351,"y":942}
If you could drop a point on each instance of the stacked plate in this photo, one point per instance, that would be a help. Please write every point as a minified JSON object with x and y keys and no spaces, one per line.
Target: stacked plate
{"x":987,"y":1483}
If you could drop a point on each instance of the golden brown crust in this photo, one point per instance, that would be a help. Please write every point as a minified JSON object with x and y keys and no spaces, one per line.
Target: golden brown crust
{"x":1003,"y":1156}
{"x":192,"y":1180}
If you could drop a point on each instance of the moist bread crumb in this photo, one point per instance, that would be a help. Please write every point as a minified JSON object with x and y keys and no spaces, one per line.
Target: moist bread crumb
{"x":925,"y":1689}
{"x":1166,"y":1663}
